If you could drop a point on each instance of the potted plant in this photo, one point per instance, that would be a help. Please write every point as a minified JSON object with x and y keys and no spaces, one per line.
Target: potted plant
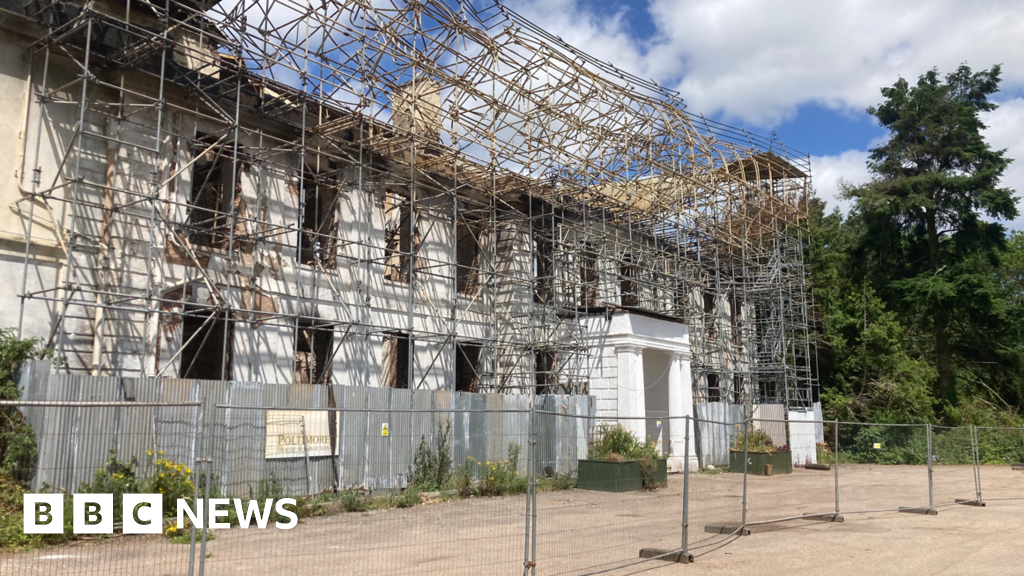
{"x":619,"y":462}
{"x":763,"y":457}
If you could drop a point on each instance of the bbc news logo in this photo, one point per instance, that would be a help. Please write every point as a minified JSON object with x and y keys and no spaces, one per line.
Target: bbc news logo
{"x":143,"y":513}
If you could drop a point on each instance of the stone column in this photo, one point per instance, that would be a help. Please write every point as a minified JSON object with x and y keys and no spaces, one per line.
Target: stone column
{"x":680,"y":403}
{"x":630,"y":382}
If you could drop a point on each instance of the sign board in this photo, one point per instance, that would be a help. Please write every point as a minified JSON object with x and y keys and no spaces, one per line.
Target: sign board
{"x":878,"y":446}
{"x":384,"y":429}
{"x":285,"y":434}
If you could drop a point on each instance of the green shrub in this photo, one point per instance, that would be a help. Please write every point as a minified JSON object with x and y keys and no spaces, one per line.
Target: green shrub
{"x":432,"y":465}
{"x":11,"y":525}
{"x":755,"y":441}
{"x":897,"y":445}
{"x":618,"y":444}
{"x":17,"y":442}
{"x":557,"y":482}
{"x":117,"y":478}
{"x":172,"y":479}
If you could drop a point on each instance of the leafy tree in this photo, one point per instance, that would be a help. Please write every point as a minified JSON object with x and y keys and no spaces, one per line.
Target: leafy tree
{"x":935,"y":182}
{"x":17,"y":442}
{"x":867,"y":364}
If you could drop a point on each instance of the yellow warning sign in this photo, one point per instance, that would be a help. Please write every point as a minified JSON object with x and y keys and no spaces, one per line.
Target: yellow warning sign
{"x":878,"y":446}
{"x":384,"y":429}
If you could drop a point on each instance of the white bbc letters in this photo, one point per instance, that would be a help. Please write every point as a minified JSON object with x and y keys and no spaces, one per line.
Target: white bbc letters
{"x":142,"y":513}
{"x":93,"y":513}
{"x":280,"y":507}
{"x":195,"y":516}
{"x":43,"y":514}
{"x":216,"y":512}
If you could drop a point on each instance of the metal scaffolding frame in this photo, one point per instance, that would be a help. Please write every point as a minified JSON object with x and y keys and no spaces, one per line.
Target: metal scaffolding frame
{"x":469,"y":118}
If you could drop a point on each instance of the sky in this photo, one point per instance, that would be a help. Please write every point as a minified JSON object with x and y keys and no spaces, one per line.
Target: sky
{"x":806,"y":69}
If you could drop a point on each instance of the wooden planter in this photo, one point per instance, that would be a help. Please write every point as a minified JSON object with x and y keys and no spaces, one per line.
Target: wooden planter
{"x":618,"y":476}
{"x":781,"y":462}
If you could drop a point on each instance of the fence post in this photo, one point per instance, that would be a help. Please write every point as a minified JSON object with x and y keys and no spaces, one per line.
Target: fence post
{"x":305,"y":453}
{"x":195,"y":486}
{"x":533,"y":498}
{"x":746,"y":459}
{"x":530,"y":464}
{"x":686,"y":483}
{"x":206,"y":516}
{"x":835,"y":462}
{"x":977,"y":464}
{"x":928,"y":437}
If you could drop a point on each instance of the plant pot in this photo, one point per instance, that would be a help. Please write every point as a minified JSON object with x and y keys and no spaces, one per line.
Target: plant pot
{"x":659,"y":477}
{"x":781,"y":462}
{"x":609,"y":476}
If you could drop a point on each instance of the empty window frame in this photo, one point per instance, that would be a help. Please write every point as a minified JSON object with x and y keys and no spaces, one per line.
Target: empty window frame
{"x":709,"y":315}
{"x":628,"y":285}
{"x":767,"y":389}
{"x":319,"y":236}
{"x":737,"y":389}
{"x":679,"y":299}
{"x":736,"y":318}
{"x":588,"y":276}
{"x":203,"y":335}
{"x":398,"y":244}
{"x":395,"y":362}
{"x":314,"y":353}
{"x":210,"y":197}
{"x":544,"y":371}
{"x":467,"y":256}
{"x":543,"y":270}
{"x":467,"y":367}
{"x":714,"y":392}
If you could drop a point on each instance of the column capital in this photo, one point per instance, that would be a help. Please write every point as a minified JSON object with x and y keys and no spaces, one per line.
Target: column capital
{"x":684,"y":356}
{"x":628,"y":348}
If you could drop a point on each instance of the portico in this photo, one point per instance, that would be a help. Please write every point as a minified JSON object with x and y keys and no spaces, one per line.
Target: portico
{"x":643,"y":379}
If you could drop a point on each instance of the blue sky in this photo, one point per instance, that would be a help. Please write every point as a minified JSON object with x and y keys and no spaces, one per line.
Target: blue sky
{"x":806,"y":69}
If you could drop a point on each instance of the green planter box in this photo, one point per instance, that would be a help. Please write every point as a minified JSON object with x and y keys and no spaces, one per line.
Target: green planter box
{"x":782,"y":462}
{"x":660,"y":475}
{"x":618,"y":476}
{"x":609,"y":476}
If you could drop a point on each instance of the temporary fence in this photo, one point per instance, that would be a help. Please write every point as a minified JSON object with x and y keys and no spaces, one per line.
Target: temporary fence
{"x":96,"y":447}
{"x":412,"y":488}
{"x":999,"y":447}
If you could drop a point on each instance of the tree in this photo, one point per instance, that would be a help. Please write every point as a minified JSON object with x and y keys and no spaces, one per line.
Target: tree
{"x":867,"y":365}
{"x":935,"y":182}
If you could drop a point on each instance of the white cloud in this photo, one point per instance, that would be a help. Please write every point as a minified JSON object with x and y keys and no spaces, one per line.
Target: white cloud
{"x":828,"y":170}
{"x":1006,"y":130}
{"x":603,"y":37}
{"x":755,"y":62}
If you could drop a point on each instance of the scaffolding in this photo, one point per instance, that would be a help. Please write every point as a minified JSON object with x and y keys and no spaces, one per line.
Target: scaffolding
{"x":566,"y":188}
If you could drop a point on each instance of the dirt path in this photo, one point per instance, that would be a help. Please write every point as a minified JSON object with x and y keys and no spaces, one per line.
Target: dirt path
{"x":581,"y":532}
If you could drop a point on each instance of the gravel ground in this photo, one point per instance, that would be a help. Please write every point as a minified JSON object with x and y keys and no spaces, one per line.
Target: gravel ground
{"x":582,"y":532}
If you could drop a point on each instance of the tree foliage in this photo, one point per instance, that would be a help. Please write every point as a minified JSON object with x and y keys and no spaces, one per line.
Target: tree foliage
{"x":920,"y":290}
{"x":17,"y":442}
